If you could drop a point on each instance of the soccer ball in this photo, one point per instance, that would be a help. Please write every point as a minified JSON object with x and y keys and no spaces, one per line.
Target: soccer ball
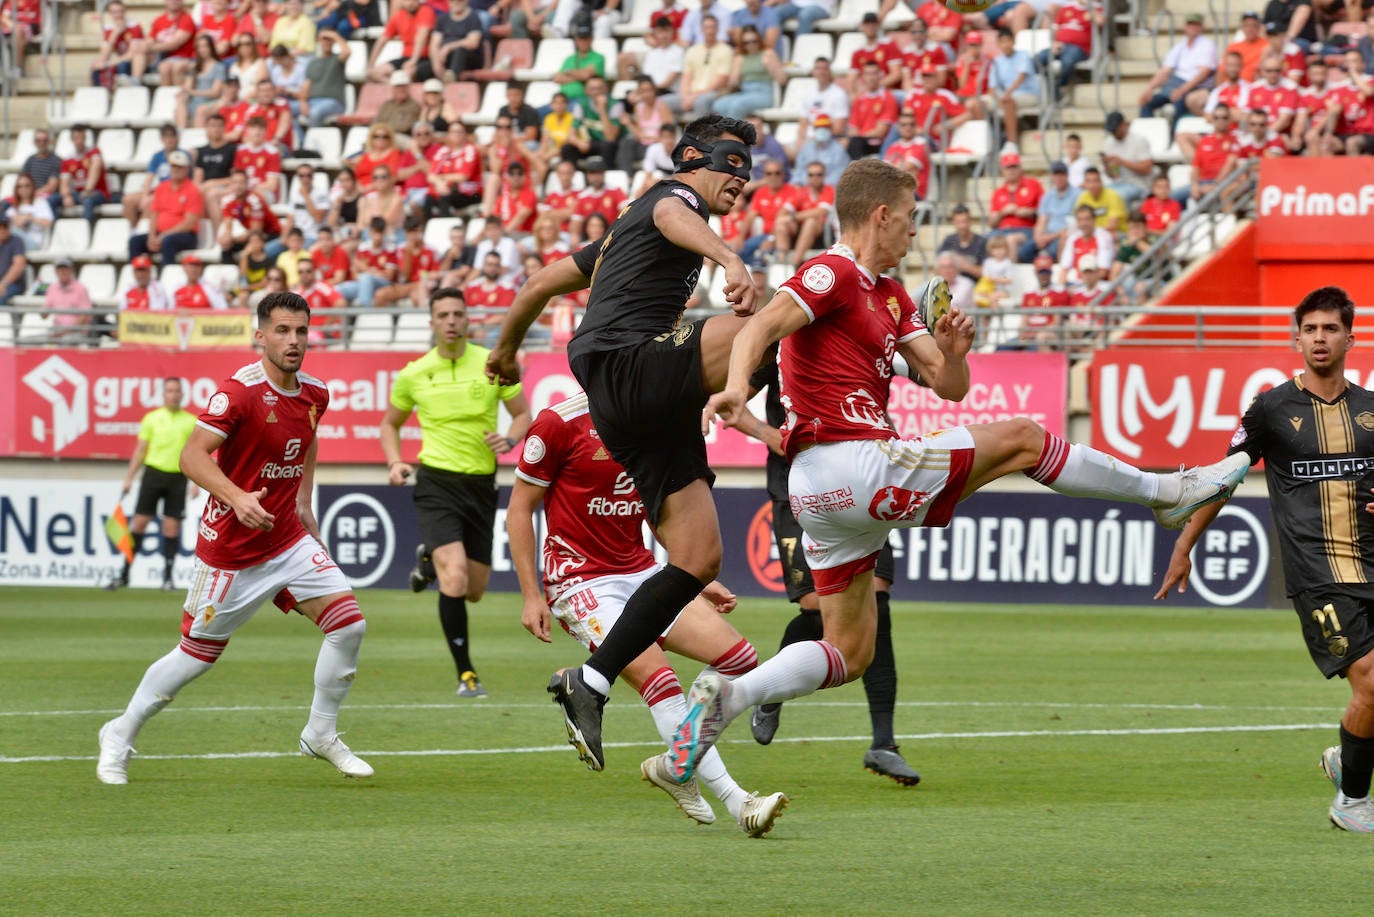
{"x":969,"y":6}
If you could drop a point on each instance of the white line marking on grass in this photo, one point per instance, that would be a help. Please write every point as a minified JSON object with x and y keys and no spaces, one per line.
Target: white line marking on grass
{"x":541,"y":749}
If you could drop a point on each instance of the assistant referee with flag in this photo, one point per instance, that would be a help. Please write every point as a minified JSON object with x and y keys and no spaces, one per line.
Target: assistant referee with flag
{"x":161,"y":436}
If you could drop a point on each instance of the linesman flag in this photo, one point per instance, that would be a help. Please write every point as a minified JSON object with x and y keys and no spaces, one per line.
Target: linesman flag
{"x":117,"y":530}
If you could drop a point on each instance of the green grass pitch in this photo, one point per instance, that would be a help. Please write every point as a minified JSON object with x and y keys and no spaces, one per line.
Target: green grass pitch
{"x":1076,"y":761}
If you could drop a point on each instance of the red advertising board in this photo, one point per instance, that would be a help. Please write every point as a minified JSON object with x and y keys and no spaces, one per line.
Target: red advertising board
{"x":1315,"y":213}
{"x":88,"y":404}
{"x":1165,"y":408}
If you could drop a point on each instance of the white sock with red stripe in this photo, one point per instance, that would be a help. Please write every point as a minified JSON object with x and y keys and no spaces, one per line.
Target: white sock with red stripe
{"x":337,"y":664}
{"x":1077,"y":470}
{"x":160,"y":684}
{"x":737,"y":660}
{"x":797,"y":669}
{"x":663,"y":693}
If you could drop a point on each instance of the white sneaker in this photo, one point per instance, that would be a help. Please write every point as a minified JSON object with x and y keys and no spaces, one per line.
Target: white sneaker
{"x":113,"y":766}
{"x":1331,"y":765}
{"x":1355,"y":815}
{"x":336,"y":753}
{"x":1202,"y":485}
{"x":699,"y":729}
{"x":758,"y":813}
{"x":686,"y":795}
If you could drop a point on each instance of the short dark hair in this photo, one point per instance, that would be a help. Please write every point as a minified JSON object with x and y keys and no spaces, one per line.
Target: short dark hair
{"x":959,"y":209}
{"x":377,"y":224}
{"x":714,"y":126}
{"x":1322,"y":298}
{"x":446,"y":293}
{"x":1005,"y":32}
{"x":291,"y":302}
{"x":1093,"y":170}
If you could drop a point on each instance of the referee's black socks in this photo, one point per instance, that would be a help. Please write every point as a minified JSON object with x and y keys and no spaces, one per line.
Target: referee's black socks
{"x":654,"y":605}
{"x":453,"y":615}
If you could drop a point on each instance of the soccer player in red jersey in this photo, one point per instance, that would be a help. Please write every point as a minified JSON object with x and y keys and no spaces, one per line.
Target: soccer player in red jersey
{"x":853,"y":479}
{"x":593,"y":559}
{"x":254,"y":451}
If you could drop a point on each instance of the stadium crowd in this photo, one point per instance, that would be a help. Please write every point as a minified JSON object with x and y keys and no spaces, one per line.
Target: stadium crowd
{"x":442,"y":191}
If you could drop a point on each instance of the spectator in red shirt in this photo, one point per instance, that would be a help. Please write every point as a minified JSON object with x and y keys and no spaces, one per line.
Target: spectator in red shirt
{"x":412,"y":22}
{"x":1160,"y":209}
{"x":1259,"y":141}
{"x":243,"y":211}
{"x":197,"y":293}
{"x":488,"y":296}
{"x":417,"y":268}
{"x":562,"y":201}
{"x":455,"y":174}
{"x":770,"y":213}
{"x":174,"y":210}
{"x":322,"y":298}
{"x":1092,"y":283}
{"x":171,"y":39}
{"x":939,"y":112}
{"x":516,"y":204}
{"x":1214,"y":158}
{"x":922,"y":53}
{"x":257,"y":23}
{"x":910,"y":151}
{"x":1039,"y":329}
{"x":596,"y":197}
{"x":1015,"y":203}
{"x":1350,"y":118}
{"x":82,"y":182}
{"x":1074,"y":24}
{"x":1310,"y":119}
{"x":260,"y":161}
{"x":275,"y":115}
{"x":812,"y":203}
{"x":872,"y":113}
{"x":330,"y":260}
{"x":375,"y":265}
{"x":885,"y":54}
{"x":123,"y":49}
{"x":220,"y":23}
{"x":146,"y":293}
{"x":1273,"y":94}
{"x":970,"y":73}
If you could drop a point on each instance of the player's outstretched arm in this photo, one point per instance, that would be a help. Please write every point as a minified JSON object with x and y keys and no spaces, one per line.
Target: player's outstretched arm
{"x":557,"y":279}
{"x":1180,"y":564}
{"x":198,"y":464}
{"x":776,"y":321}
{"x":685,"y":228}
{"x":525,"y":498}
{"x":941,"y":358}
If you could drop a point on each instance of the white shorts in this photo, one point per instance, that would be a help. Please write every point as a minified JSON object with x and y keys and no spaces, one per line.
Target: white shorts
{"x":220,"y":601}
{"x":847,"y":496}
{"x":589,"y":609}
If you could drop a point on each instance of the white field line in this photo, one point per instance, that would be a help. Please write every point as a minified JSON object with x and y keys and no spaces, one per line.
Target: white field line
{"x":913,"y":737}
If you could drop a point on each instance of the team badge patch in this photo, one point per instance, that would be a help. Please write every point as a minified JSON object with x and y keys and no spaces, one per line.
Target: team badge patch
{"x":1238,"y":438}
{"x":687,"y":196}
{"x":818,"y":278}
{"x":1365,"y":420}
{"x":534,"y":450}
{"x":218,"y":404}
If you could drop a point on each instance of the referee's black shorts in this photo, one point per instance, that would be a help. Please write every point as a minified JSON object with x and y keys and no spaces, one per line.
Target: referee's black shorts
{"x":646,"y":402}
{"x":165,"y":487}
{"x":796,"y":575}
{"x":456,"y":507}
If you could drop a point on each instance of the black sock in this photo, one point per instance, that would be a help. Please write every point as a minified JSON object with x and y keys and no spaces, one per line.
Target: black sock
{"x":880,"y":678}
{"x":647,"y":614}
{"x":169,"y":556}
{"x":805,"y":626}
{"x":1357,"y":763}
{"x":453,"y":615}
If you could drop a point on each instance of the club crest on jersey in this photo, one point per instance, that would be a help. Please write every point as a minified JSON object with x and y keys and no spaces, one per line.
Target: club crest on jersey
{"x":1366,"y":421}
{"x":312,"y":415}
{"x":534,"y":450}
{"x":687,"y":196}
{"x":218,"y":405}
{"x":818,"y":278}
{"x":895,"y":309}
{"x":269,"y":398}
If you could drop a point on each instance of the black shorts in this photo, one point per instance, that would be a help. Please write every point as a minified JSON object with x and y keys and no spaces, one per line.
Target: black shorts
{"x":1337,"y":625}
{"x":455,"y":507}
{"x":646,"y":403}
{"x":165,"y":487}
{"x":787,"y":534}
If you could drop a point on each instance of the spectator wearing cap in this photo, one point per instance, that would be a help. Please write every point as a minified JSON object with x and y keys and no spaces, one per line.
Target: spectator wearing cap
{"x":197,"y":292}
{"x":1013,"y":84}
{"x":1296,"y":19}
{"x":755,"y":76}
{"x":83,"y":181}
{"x":401,"y":111}
{"x":411,"y":21}
{"x":1126,"y":160}
{"x":293,"y":30}
{"x":1190,"y":64}
{"x":1073,"y":28}
{"x":145,"y":292}
{"x":435,"y":110}
{"x":580,"y":66}
{"x":1086,"y":239}
{"x":706,"y":71}
{"x":1012,"y":212}
{"x":968,"y":248}
{"x":1092,"y":283}
{"x":321,"y":98}
{"x":939,"y":111}
{"x":822,"y":146}
{"x":807,"y":14}
{"x":885,"y":53}
{"x":174,"y":210}
{"x":910,"y":152}
{"x":1038,"y":328}
{"x":459,"y":42}
{"x":1053,"y":215}
{"x":871,"y":115}
{"x":1252,"y":44}
{"x":765,"y":21}
{"x":661,"y":60}
{"x":65,"y":295}
{"x":13,"y":263}
{"x":1293,"y":57}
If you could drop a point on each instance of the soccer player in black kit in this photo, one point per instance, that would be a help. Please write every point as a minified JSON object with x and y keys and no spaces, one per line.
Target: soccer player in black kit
{"x":647,"y":376}
{"x":1315,"y":434}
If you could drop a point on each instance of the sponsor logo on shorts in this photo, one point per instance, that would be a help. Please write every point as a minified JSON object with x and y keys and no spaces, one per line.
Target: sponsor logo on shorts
{"x":818,"y":278}
{"x":892,"y":504}
{"x":534,"y":450}
{"x":218,"y":405}
{"x":832,"y":501}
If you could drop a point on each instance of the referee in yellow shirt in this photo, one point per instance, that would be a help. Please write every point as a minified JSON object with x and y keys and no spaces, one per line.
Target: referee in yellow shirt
{"x":455,"y":488}
{"x":161,"y":435}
